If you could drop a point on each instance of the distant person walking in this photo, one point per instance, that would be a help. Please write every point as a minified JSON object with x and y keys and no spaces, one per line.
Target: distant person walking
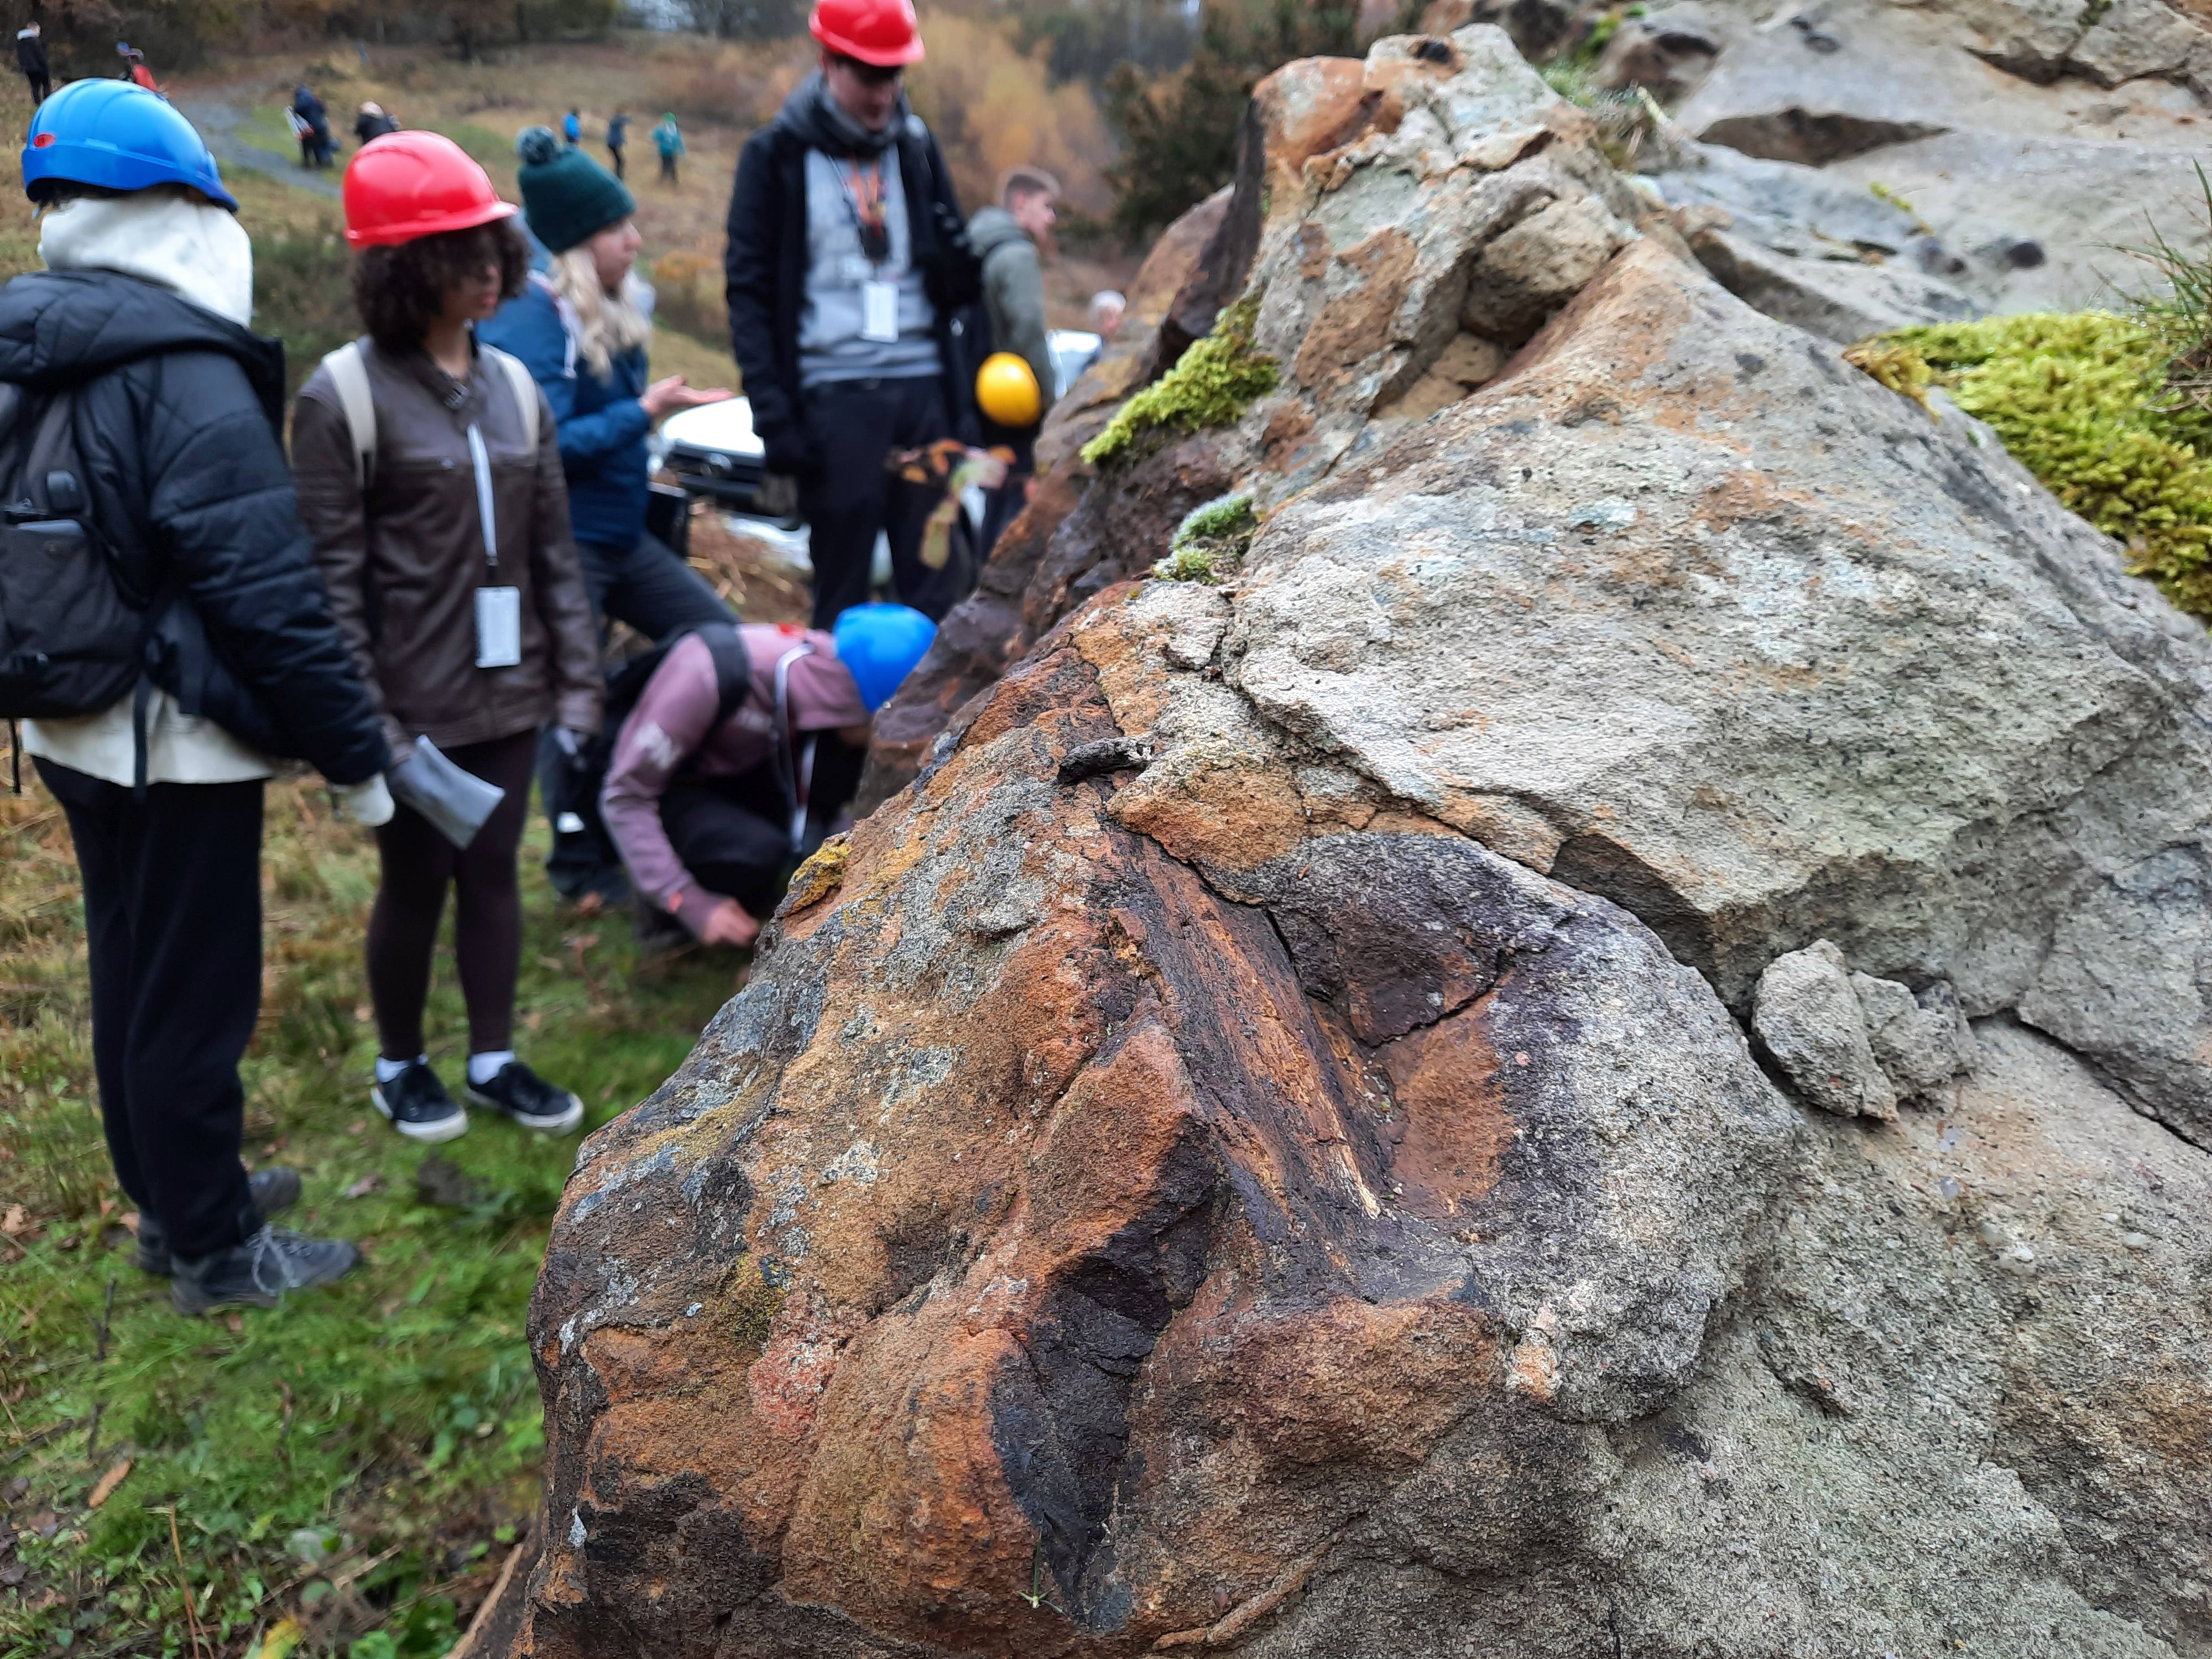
{"x":571,"y":127}
{"x":30,"y":58}
{"x":135,"y":70}
{"x":847,"y":258}
{"x":430,"y":477}
{"x":138,"y":327}
{"x":315,"y":142}
{"x":581,"y":326}
{"x":668,"y":139}
{"x":1009,"y":239}
{"x":619,"y":142}
{"x":373,"y":123}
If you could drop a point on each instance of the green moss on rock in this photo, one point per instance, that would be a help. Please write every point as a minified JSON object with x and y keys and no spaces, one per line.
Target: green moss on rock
{"x":2080,"y":399}
{"x":1212,"y":384}
{"x":1210,"y":540}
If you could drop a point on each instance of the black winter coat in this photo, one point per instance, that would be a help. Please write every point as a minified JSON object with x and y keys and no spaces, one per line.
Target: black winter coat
{"x":766,"y":258}
{"x":180,"y":427}
{"x":30,"y":55}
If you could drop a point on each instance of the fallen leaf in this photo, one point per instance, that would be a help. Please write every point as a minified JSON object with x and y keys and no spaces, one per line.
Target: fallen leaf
{"x":15,"y":1221}
{"x":236,"y":1322}
{"x":367,"y":1184}
{"x":107,"y":1484}
{"x":362,"y":1013}
{"x":281,"y":1637}
{"x":129,"y":1221}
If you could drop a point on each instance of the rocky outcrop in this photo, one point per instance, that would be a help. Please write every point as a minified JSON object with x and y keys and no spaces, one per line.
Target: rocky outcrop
{"x":1260,"y":1147}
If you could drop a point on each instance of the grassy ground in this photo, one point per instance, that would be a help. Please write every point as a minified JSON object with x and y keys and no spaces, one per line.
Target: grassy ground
{"x":359,"y":1463}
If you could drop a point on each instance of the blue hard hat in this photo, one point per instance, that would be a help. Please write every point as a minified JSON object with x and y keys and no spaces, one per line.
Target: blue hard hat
{"x":118,"y":137}
{"x":879,"y":645}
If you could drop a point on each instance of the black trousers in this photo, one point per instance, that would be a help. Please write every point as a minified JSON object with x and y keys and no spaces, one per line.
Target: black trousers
{"x":419,"y":865}
{"x":41,"y":86}
{"x":615,"y":150}
{"x":173,"y":927}
{"x":731,"y":835}
{"x":649,"y":587}
{"x":854,"y":425}
{"x":667,"y":169}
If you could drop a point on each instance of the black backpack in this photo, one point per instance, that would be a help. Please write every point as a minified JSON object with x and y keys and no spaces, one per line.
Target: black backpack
{"x":73,"y":636}
{"x":626,"y":682}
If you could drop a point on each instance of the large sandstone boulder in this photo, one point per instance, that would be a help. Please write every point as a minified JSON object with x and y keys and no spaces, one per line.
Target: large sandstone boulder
{"x":1259,"y":1146}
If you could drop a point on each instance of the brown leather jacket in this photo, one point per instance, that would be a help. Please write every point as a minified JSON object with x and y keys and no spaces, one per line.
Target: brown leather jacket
{"x":404,"y":564}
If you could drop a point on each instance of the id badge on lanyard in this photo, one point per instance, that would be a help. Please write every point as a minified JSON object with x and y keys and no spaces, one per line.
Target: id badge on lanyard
{"x":864,"y":198}
{"x":499,"y":607}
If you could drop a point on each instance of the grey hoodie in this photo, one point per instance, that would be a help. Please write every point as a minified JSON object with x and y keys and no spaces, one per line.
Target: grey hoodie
{"x":1013,"y":289}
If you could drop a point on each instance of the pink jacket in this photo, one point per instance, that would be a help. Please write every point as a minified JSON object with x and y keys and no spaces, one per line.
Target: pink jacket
{"x":673,"y":727}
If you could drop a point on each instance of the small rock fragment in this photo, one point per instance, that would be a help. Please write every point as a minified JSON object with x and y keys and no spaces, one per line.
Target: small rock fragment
{"x":1090,"y":760}
{"x":1920,"y":1041}
{"x":1808,"y":1017}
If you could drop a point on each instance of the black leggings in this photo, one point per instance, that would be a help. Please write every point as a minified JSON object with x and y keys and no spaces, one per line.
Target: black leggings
{"x":419,"y":864}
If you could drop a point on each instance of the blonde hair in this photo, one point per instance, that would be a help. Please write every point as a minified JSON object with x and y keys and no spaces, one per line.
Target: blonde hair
{"x":607,"y":325}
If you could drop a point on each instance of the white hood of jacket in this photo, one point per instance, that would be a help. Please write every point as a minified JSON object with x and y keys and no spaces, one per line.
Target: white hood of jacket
{"x":163,"y":236}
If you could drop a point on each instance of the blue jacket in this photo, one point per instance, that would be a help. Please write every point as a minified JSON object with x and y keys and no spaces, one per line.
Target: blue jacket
{"x":602,"y":425}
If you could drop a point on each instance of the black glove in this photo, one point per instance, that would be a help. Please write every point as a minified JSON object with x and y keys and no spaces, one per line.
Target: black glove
{"x":790,"y":452}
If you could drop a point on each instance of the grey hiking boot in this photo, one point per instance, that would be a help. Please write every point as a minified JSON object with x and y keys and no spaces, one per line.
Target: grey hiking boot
{"x":274,"y":1191}
{"x":257,"y":1274}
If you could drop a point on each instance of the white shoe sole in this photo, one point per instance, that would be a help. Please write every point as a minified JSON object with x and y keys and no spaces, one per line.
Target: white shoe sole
{"x":543,"y":1126}
{"x":451,"y":1128}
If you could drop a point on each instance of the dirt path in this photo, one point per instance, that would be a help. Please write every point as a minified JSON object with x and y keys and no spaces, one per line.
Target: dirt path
{"x":219,"y":121}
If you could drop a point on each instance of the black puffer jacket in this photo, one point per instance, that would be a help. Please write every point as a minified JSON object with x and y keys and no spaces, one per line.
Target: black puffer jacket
{"x":181,"y":417}
{"x":765,"y":258}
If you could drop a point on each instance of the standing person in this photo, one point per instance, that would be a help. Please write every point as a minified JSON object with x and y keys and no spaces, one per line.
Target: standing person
{"x":571,"y":127}
{"x":1008,"y":239}
{"x":720,"y":777}
{"x":140,"y":323}
{"x":30,"y":58}
{"x":581,"y":326}
{"x":430,"y":477}
{"x":373,"y":122}
{"x":668,"y":139}
{"x":1107,"y":306}
{"x":309,"y":108}
{"x":847,"y":258}
{"x":619,"y":142}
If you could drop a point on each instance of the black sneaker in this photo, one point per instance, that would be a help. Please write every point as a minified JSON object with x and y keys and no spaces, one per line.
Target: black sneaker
{"x":257,"y":1274}
{"x":418,"y":1105}
{"x":529,"y":1099}
{"x":274,"y":1191}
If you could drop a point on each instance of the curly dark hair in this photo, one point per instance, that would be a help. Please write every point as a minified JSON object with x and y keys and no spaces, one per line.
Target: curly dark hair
{"x":400,"y":291}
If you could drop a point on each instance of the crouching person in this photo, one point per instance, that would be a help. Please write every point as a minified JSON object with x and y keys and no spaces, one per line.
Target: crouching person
{"x":430,"y":475}
{"x":742,"y":748}
{"x":182,"y":638}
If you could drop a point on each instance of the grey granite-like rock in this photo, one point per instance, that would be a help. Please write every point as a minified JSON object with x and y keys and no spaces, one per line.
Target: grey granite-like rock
{"x":1808,"y":1017}
{"x":1922,"y":1041}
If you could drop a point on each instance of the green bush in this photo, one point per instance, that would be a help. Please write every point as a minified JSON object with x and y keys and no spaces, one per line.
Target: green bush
{"x":2082,"y":399}
{"x":303,"y":293}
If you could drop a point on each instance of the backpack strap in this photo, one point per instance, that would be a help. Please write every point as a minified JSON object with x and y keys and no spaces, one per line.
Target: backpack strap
{"x":348,"y":372}
{"x":733,"y":668}
{"x":525,"y":389}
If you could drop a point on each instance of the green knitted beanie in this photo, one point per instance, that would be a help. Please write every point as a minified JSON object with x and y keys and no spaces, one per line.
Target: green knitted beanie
{"x":566,"y":195}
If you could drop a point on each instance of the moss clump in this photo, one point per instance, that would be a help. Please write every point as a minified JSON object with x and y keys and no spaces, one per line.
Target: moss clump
{"x":1210,"y":540}
{"x":1211,"y":386}
{"x":2082,"y":399}
{"x":1899,"y":367}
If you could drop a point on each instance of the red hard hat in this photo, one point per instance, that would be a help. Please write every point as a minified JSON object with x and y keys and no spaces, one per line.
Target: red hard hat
{"x":407,"y":185}
{"x":878,"y":31}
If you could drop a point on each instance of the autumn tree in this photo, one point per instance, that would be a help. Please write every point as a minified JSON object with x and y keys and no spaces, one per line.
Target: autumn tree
{"x":1180,"y":135}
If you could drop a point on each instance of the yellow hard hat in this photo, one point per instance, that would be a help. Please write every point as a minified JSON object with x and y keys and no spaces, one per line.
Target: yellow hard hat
{"x":1006,"y":390}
